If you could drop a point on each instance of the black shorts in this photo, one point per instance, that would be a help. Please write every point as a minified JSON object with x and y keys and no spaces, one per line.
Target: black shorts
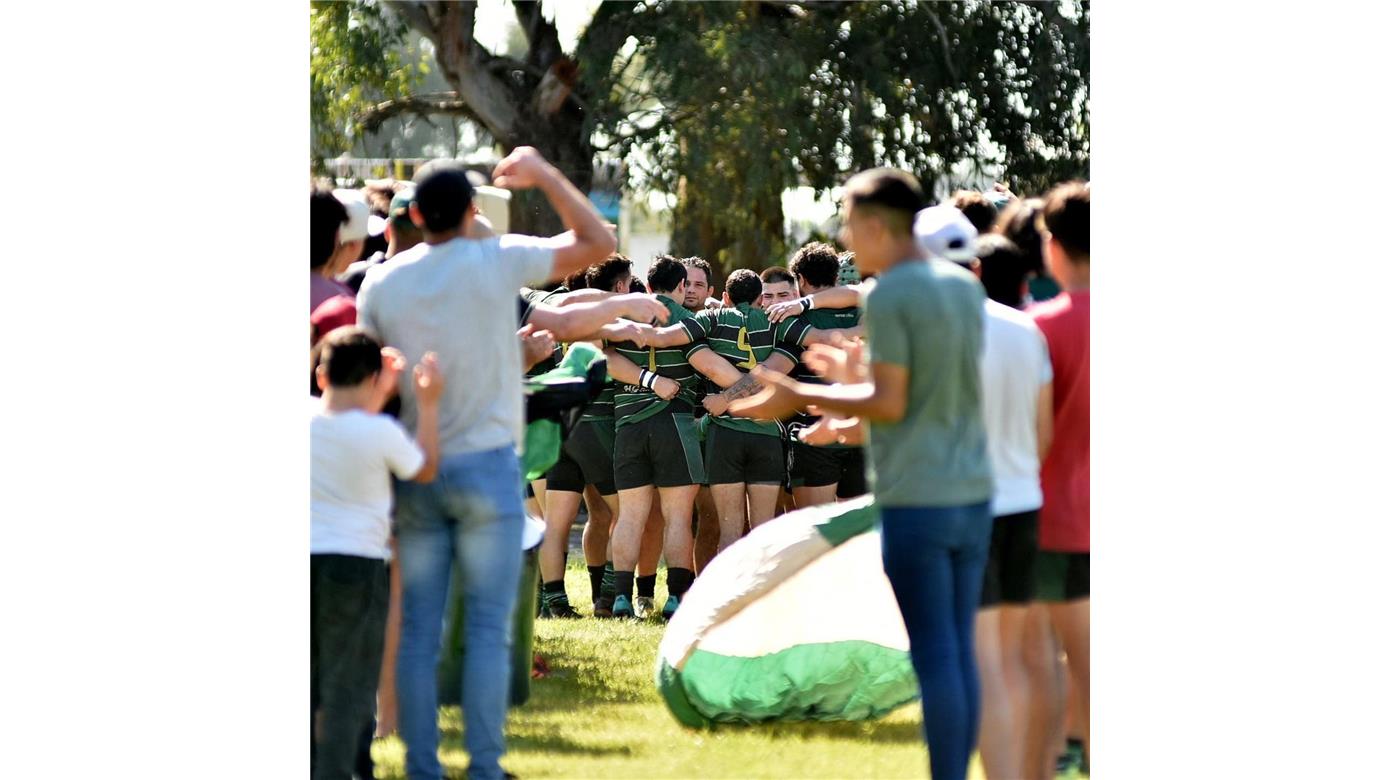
{"x":742,"y":457}
{"x":585,"y":459}
{"x":1061,"y":576}
{"x":662,"y":450}
{"x":843,"y":467}
{"x":1011,"y":557}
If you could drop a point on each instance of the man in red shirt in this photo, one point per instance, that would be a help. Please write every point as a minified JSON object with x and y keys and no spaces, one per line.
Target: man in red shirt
{"x":1062,"y":566}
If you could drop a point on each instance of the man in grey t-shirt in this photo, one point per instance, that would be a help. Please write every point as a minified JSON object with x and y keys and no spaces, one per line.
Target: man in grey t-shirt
{"x":921,"y":398}
{"x":456,"y":296}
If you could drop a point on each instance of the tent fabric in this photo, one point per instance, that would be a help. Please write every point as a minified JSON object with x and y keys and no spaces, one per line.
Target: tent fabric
{"x":795,"y":621}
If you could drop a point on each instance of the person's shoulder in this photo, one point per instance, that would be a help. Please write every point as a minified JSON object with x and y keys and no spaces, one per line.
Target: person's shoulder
{"x":1003,"y":313}
{"x":1051,"y":310}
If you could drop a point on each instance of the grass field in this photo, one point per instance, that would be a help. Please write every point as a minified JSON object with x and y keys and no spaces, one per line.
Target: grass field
{"x":598,"y":714}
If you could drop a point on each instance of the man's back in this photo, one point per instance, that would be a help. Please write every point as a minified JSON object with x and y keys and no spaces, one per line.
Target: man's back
{"x":633,"y":404}
{"x":1015,"y":365}
{"x":459,"y":299}
{"x":743,"y":336}
{"x":1065,"y":474}
{"x":927,"y":317}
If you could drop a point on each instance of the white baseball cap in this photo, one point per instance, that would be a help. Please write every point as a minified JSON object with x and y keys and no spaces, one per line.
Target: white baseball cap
{"x":943,"y":231}
{"x":358,"y":226}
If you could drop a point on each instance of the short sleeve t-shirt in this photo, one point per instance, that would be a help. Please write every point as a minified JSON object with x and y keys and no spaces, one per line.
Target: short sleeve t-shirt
{"x":1015,"y":365}
{"x":459,"y":299}
{"x":927,"y":317}
{"x":1064,"y":477}
{"x":353,"y":454}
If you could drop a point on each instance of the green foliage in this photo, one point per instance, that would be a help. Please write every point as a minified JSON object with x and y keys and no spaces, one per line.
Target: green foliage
{"x":726,"y":105}
{"x":355,"y":62}
{"x":736,"y":102}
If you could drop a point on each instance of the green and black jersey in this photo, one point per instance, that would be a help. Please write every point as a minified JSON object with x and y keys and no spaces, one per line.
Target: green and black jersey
{"x":744,"y":337}
{"x":792,"y":330}
{"x":600,"y":409}
{"x":633,"y":403}
{"x":528,"y":300}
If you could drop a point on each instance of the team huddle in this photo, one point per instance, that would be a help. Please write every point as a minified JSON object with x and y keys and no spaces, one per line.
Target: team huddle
{"x":657,"y":449}
{"x":929,"y":365}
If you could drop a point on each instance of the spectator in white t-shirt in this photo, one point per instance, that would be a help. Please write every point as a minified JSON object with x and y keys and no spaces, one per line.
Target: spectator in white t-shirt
{"x":354,"y":452}
{"x":457,"y":295}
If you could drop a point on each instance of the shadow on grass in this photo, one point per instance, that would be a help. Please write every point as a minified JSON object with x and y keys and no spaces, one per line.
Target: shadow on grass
{"x":557,"y":743}
{"x":884,"y":731}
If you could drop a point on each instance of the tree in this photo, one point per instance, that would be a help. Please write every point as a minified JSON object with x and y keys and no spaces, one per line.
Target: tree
{"x":726,"y":105}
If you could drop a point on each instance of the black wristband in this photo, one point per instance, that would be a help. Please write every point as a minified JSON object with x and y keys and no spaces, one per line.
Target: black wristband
{"x":806,"y":303}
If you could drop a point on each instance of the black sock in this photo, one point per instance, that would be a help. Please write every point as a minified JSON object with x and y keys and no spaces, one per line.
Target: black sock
{"x":609,"y":580}
{"x":624,"y":584}
{"x":555,"y":586}
{"x":595,"y":580}
{"x":678,"y":581}
{"x":646,"y":586}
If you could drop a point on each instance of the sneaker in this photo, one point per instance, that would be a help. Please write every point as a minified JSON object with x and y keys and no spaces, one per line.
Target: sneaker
{"x":672,"y":604}
{"x":646,"y":607}
{"x":558,"y":607}
{"x":602,"y":607}
{"x":622,"y":607}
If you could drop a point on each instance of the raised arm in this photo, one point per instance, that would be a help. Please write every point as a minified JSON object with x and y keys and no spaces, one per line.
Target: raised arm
{"x":587,"y":239}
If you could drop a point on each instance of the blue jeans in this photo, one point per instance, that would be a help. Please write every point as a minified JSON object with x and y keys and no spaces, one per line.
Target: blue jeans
{"x":934,"y":557}
{"x":474,"y":512}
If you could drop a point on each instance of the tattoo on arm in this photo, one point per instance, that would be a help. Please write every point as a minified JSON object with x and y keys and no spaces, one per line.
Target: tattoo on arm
{"x":746,"y":386}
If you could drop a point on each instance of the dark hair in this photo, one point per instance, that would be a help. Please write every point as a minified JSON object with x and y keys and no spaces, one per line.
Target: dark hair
{"x":666,"y":274}
{"x":817,"y":263}
{"x":975,"y":206}
{"x":703,"y":265}
{"x":892,"y":195}
{"x":577,"y":280}
{"x":777,"y":274}
{"x":1003,"y":269}
{"x":1017,"y":222}
{"x":327,"y":215}
{"x":743,"y":286}
{"x":1066,"y":219}
{"x":604,"y":275}
{"x":636,"y":286}
{"x":443,"y":194}
{"x":350,"y":356}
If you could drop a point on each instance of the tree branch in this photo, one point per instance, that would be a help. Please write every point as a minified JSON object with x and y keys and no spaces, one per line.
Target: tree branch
{"x":466,"y":64}
{"x":426,"y":104}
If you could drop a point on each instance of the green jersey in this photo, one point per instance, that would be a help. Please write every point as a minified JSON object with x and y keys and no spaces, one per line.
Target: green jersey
{"x":744,"y":337}
{"x":633,"y":403}
{"x":528,"y":300}
{"x":600,"y":409}
{"x":792,"y":330}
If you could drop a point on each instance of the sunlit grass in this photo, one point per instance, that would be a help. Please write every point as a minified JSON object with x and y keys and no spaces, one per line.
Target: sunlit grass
{"x":598,"y":715}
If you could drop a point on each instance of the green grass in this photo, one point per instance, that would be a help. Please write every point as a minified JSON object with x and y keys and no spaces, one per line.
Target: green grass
{"x":598,"y":715}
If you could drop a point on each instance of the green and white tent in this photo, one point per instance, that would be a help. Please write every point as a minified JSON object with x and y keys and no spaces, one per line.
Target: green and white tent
{"x":795,"y":621}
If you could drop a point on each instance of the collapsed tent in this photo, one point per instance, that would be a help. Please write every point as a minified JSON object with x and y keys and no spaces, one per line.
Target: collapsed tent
{"x":795,"y":621}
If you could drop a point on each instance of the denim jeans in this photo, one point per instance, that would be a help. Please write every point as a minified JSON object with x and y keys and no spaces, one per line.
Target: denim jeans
{"x":934,"y":557}
{"x":472,"y":513}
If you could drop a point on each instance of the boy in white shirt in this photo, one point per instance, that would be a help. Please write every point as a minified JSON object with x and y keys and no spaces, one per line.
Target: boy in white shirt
{"x":354,"y":452}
